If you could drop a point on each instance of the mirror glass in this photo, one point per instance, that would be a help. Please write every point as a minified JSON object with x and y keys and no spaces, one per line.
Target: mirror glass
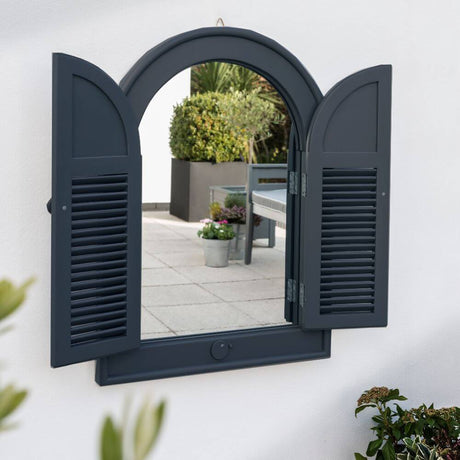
{"x":207,"y":134}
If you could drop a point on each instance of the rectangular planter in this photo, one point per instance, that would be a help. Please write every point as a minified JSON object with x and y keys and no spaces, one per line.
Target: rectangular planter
{"x":190,"y":182}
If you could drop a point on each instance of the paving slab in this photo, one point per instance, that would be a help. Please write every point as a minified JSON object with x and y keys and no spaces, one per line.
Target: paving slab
{"x":149,"y":261}
{"x":267,"y":312}
{"x":154,"y":296}
{"x":162,"y":277}
{"x":200,"y":318}
{"x":183,"y":259}
{"x":234,"y":272}
{"x":150,"y":324}
{"x":234,"y":291}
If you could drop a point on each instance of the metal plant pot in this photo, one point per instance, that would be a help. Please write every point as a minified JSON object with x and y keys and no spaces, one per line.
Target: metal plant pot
{"x":216,"y":252}
{"x":237,"y":244}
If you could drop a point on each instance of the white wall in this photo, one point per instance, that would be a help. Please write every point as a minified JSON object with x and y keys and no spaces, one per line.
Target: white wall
{"x":154,"y":136}
{"x":292,"y":411}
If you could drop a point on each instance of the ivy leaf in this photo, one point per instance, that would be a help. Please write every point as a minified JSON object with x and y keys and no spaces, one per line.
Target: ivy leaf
{"x":373,"y":447}
{"x":111,"y":444}
{"x":359,"y":456}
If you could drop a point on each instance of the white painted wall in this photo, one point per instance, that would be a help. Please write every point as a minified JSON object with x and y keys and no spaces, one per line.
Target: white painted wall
{"x":292,"y":411}
{"x":154,"y":136}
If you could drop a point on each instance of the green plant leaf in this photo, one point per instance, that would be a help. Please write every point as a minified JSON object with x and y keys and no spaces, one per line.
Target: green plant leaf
{"x":388,"y":451}
{"x":10,"y":399}
{"x":359,"y":456}
{"x":148,"y":425}
{"x":111,"y":444}
{"x":373,"y":447}
{"x":11,"y":297}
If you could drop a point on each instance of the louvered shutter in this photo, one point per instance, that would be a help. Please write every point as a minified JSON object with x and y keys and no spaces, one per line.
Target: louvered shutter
{"x":345,"y":215}
{"x":96,"y":216}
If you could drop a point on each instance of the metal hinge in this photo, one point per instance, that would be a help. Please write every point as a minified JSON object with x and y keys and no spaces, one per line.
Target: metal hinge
{"x":291,"y":290}
{"x":293,"y":183}
{"x":301,"y":295}
{"x":304,"y":185}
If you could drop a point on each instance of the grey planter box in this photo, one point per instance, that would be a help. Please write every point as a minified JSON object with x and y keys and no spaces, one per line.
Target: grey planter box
{"x":190,"y":182}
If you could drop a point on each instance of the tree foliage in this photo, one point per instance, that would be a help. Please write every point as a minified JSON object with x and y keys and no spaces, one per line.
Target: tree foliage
{"x":251,"y":116}
{"x":223,"y":77}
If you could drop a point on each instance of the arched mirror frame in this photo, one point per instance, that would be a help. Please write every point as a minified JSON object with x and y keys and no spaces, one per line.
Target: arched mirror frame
{"x":158,"y":358}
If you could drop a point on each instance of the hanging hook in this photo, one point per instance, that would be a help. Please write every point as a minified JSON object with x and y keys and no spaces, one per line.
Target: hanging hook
{"x":220,"y":22}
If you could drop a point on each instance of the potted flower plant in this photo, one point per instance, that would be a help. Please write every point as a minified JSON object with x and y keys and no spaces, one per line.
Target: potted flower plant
{"x":216,"y":242}
{"x":234,"y":212}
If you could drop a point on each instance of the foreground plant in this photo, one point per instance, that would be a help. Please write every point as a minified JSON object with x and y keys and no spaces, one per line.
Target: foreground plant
{"x":11,"y":298}
{"x":413,"y":433}
{"x":220,"y":230}
{"x":115,"y":444}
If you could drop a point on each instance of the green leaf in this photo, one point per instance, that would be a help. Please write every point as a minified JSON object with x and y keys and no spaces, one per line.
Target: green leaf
{"x":373,"y":447}
{"x":11,"y":297}
{"x":111,"y":444}
{"x":359,"y":456}
{"x":388,"y":451}
{"x":10,"y":399}
{"x":147,"y":428}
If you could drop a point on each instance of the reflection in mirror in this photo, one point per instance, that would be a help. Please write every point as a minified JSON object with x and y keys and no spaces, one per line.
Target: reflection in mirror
{"x":207,"y":135}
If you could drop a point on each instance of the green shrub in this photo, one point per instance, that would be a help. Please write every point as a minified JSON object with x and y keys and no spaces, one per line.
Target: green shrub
{"x":199,"y":132}
{"x":235,"y":199}
{"x":436,"y":432}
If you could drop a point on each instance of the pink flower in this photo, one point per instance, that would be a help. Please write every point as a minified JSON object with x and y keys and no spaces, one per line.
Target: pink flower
{"x":223,"y":222}
{"x":206,"y":221}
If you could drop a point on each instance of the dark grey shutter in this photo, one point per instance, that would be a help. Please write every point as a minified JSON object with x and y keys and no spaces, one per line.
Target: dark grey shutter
{"x":345,"y":215}
{"x":96,"y":216}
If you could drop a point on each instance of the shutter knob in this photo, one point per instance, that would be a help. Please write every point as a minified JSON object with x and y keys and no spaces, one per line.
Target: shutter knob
{"x":220,"y":349}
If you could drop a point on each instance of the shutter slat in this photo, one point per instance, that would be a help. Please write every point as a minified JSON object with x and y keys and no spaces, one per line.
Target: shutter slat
{"x":96,"y":230}
{"x":98,"y":282}
{"x":109,"y":255}
{"x":97,"y":248}
{"x":96,"y":205}
{"x":100,"y":308}
{"x":97,"y":317}
{"x":97,"y":326}
{"x":90,"y":266}
{"x":102,"y":301}
{"x":100,"y":222}
{"x":98,"y":214}
{"x":89,"y":275}
{"x":88,"y":337}
{"x":346,"y":309}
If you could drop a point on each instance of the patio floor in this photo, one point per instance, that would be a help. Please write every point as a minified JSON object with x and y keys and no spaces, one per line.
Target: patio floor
{"x":181,"y":296}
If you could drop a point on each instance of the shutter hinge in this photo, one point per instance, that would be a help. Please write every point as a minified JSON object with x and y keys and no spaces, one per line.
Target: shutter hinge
{"x":301,"y":295}
{"x":291,"y":290}
{"x":304,"y":185}
{"x":292,"y":183}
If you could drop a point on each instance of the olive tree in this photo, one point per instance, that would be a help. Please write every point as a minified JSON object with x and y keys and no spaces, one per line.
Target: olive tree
{"x":251,"y":116}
